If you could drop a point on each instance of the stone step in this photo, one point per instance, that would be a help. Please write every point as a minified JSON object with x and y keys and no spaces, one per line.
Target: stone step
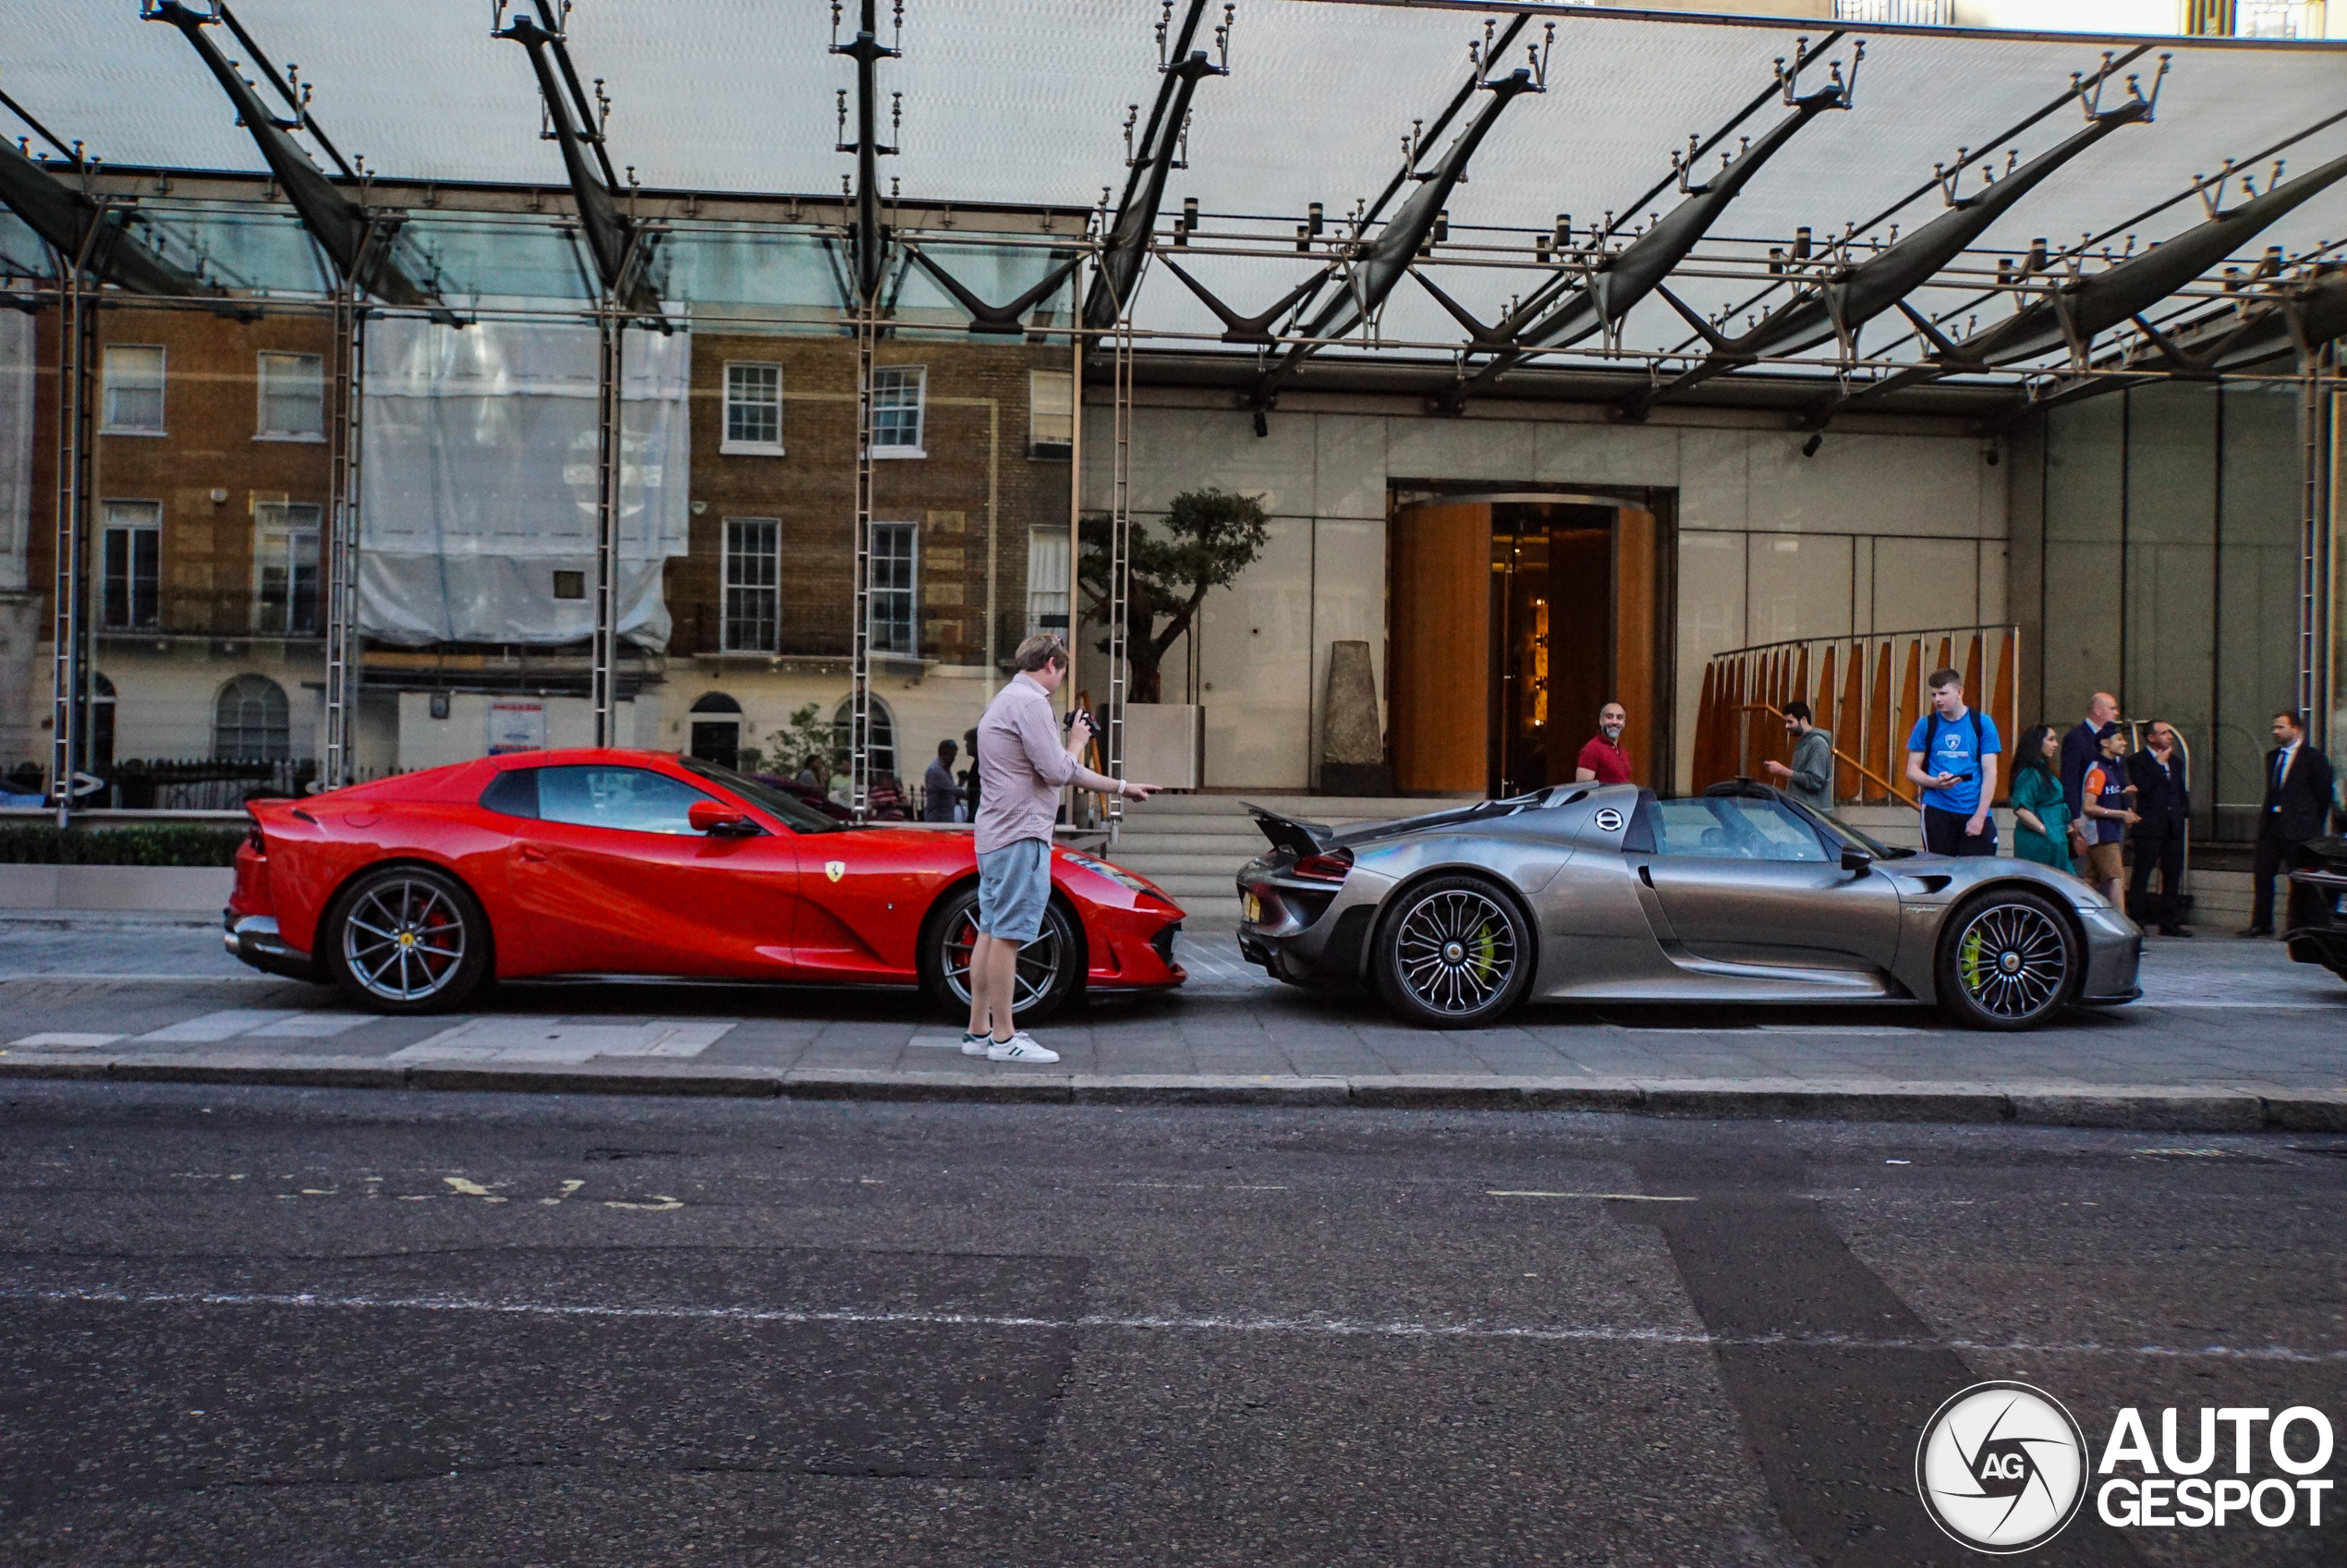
{"x":1157,"y":868}
{"x":1204,"y":908}
{"x":1310,"y":807}
{"x":1183,"y":886}
{"x":1246,"y":846}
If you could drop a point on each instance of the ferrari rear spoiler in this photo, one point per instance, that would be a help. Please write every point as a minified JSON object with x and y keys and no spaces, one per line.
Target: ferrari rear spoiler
{"x":1286,"y":833}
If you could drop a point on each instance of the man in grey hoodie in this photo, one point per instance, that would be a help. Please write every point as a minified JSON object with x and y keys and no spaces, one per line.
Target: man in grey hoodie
{"x":1810,"y":779}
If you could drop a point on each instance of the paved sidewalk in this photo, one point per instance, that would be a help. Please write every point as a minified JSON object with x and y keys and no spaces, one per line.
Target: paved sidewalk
{"x":2230,"y":1036}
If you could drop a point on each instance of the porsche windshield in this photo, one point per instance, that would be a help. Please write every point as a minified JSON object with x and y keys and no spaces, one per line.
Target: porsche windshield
{"x":793,"y":813}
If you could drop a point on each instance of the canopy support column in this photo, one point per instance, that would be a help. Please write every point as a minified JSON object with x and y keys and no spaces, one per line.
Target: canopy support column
{"x":2319,"y":427}
{"x":343,"y":430}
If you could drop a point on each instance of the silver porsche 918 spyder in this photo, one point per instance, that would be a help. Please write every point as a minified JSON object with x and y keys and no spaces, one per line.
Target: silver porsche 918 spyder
{"x":1606,"y":892}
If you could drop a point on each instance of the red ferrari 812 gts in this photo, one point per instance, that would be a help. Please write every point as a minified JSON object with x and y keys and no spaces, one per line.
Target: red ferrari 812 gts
{"x":409,"y":893}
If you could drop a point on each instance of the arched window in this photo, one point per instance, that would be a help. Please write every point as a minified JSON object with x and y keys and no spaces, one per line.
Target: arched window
{"x":883,"y":734}
{"x":250,"y":722}
{"x":717,"y":730}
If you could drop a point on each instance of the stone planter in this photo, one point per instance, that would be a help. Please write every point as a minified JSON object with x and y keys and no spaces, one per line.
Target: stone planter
{"x":175,"y":889}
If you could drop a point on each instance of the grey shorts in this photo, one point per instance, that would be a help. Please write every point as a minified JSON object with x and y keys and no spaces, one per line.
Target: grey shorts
{"x":1014,"y":884}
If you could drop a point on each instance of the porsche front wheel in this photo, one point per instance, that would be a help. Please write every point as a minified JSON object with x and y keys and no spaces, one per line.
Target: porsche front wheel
{"x":1050,"y":969}
{"x":1453,"y":953}
{"x":406,"y":939}
{"x":2008,"y":961}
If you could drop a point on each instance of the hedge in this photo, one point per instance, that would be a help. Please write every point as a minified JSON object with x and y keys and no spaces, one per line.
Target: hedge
{"x":40,"y":844}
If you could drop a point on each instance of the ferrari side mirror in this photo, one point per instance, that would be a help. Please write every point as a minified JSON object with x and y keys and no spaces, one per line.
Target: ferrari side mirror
{"x":1852,"y":859}
{"x":718,"y":821}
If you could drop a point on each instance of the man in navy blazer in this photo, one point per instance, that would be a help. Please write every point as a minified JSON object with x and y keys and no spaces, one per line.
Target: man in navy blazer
{"x":2298,"y":806}
{"x":2082,"y":747}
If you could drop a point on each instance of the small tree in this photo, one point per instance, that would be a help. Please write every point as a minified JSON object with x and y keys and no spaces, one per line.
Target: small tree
{"x":1209,"y":537}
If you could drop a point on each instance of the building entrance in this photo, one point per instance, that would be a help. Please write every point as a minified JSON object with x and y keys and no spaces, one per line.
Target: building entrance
{"x":1512,"y":619}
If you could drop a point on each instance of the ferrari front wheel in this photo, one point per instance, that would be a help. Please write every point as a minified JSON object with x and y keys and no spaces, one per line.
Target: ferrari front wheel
{"x":2007,"y":961}
{"x":1453,"y":953}
{"x":1050,"y":969}
{"x":406,"y":939}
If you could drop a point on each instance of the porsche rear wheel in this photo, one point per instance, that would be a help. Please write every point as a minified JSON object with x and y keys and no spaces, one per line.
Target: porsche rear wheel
{"x":2008,"y":960}
{"x":1050,"y":969}
{"x":1453,"y":953}
{"x":406,"y":939}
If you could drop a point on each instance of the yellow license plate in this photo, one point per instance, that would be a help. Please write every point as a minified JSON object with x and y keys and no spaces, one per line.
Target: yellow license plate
{"x":1252,"y":907}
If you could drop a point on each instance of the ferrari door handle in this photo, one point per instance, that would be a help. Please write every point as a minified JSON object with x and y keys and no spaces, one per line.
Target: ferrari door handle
{"x":529,"y":854}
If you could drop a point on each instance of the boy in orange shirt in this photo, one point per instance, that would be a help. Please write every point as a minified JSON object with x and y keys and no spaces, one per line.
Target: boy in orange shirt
{"x":2109,"y":813}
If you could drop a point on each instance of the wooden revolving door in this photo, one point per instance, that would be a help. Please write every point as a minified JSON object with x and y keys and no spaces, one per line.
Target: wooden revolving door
{"x":1511,"y":620}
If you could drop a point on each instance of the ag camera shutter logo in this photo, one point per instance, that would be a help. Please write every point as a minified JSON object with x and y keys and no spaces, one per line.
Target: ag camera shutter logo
{"x":2002,"y":1467}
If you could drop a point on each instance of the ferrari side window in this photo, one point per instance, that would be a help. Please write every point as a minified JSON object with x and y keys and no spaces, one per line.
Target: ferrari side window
{"x":630,"y":799}
{"x":512,"y":793}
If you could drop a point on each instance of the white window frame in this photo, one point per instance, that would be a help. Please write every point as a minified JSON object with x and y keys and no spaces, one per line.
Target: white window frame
{"x":920,"y":374}
{"x":277,"y":526}
{"x":727,"y":442}
{"x":1064,"y":383}
{"x":726,"y":587}
{"x":911,"y":591}
{"x":1046,"y":582}
{"x":310,"y":367}
{"x":111,"y":382}
{"x":109,"y":524}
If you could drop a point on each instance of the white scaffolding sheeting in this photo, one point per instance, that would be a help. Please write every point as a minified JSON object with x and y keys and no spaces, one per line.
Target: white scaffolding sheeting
{"x":16,"y":447}
{"x":479,"y":482}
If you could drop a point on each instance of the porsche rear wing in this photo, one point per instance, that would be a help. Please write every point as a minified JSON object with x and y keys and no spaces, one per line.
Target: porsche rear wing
{"x":1285,"y":832}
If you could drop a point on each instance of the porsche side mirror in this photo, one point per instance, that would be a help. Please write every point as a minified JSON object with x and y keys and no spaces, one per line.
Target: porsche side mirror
{"x":1852,"y":859}
{"x":718,"y":821}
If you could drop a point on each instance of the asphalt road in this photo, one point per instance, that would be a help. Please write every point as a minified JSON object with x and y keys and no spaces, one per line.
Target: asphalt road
{"x":283,"y":1327}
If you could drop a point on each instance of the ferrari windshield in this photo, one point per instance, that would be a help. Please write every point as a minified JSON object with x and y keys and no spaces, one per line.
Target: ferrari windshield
{"x":795,"y":813}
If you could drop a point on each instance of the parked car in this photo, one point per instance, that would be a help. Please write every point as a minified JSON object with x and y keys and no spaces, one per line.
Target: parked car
{"x":2314,"y":921}
{"x":411,"y":892}
{"x":1606,"y":892}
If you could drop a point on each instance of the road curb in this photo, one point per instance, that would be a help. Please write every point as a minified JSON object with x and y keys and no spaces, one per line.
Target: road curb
{"x":2146,"y":1108}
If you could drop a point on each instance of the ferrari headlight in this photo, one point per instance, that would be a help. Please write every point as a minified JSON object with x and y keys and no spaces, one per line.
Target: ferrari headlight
{"x":1116,"y":874}
{"x":2103,"y":917}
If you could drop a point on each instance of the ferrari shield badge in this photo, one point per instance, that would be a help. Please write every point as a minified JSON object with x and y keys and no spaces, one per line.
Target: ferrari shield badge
{"x":834,"y":869}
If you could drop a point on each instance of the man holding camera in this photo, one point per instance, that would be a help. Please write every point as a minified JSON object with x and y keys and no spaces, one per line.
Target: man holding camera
{"x":1022,"y":765}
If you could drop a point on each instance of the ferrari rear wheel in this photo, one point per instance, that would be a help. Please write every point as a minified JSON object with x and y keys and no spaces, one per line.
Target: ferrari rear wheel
{"x":1453,"y":953}
{"x":406,"y":939}
{"x":2008,"y":961}
{"x":1050,"y":969}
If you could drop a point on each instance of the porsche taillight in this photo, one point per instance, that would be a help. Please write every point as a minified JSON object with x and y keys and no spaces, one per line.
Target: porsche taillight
{"x":1333,"y":866}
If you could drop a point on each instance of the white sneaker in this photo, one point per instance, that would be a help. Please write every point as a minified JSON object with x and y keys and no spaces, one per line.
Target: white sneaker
{"x":1021,"y":1047}
{"x":974,"y":1045}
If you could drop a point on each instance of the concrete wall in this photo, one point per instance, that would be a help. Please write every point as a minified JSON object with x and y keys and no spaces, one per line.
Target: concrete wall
{"x":1877,"y":532}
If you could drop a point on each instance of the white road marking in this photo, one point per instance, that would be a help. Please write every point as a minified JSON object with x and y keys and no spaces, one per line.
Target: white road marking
{"x":56,"y":1040}
{"x":311,"y":1025}
{"x":212,"y":1027}
{"x":1616,"y":1197}
{"x":1863,"y":1030}
{"x":553,"y":1040}
{"x":1337,"y":1327}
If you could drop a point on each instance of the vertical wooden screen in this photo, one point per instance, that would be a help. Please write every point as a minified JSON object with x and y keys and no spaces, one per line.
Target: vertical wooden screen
{"x":1438,"y":671}
{"x":1633,"y":622}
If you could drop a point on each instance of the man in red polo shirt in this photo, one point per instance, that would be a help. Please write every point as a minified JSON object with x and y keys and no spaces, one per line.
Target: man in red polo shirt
{"x":1603,"y":759}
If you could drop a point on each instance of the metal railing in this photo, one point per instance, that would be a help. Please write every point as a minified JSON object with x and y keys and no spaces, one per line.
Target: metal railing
{"x":1897,"y":13}
{"x":1868,"y":690}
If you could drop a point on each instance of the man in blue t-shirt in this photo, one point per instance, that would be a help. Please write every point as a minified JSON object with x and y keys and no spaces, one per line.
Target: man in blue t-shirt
{"x":1951,"y":757}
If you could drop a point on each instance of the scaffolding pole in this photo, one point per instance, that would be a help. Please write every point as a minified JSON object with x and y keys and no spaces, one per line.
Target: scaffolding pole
{"x":69,"y":598}
{"x":608,"y":457}
{"x":342,"y":575}
{"x":859,"y":650}
{"x":1120,"y":559}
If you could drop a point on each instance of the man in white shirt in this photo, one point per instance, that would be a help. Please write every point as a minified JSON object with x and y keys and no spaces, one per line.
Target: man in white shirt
{"x":1022,"y":765}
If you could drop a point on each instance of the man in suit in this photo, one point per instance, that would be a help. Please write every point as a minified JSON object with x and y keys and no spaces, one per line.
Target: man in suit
{"x":2082,"y":748}
{"x":2163,"y":810}
{"x":2297,"y":807}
